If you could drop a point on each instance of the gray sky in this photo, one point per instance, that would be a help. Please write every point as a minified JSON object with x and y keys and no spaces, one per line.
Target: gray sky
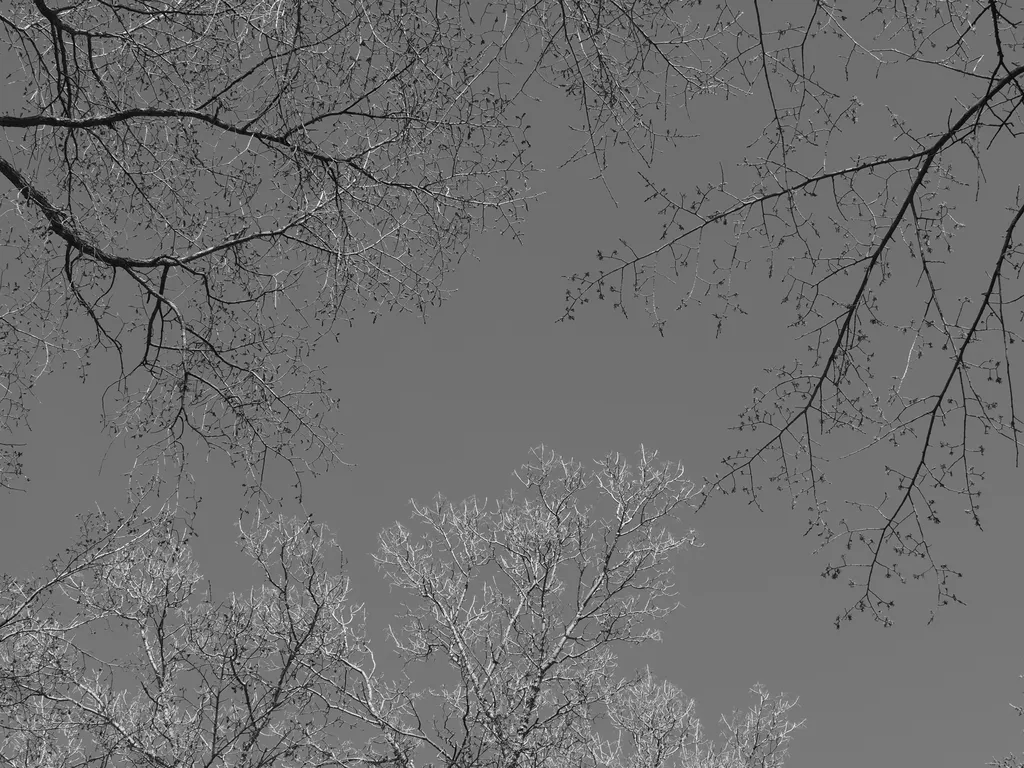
{"x":454,"y":405}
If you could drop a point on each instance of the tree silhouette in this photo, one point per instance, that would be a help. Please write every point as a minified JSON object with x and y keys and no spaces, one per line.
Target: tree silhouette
{"x":120,"y":655}
{"x":201,"y":193}
{"x":857,"y":226}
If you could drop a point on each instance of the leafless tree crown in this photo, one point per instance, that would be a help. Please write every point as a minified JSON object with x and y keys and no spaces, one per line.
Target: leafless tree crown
{"x":201,"y":191}
{"x":857,"y":227}
{"x":121,"y":654}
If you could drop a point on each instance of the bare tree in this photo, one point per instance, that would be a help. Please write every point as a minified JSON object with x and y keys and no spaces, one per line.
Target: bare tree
{"x":121,"y":655}
{"x":200,"y":192}
{"x":857,"y":228}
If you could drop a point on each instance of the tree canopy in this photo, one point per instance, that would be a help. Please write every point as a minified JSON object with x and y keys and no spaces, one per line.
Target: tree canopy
{"x":205,"y":191}
{"x":514,"y":612}
{"x":199,"y":194}
{"x":856,"y":213}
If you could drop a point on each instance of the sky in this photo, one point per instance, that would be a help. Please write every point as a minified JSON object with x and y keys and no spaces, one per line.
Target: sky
{"x":453,"y":406}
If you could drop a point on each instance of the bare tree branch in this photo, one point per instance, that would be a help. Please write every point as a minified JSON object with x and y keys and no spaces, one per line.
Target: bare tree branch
{"x":121,"y":656}
{"x":845,"y":235}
